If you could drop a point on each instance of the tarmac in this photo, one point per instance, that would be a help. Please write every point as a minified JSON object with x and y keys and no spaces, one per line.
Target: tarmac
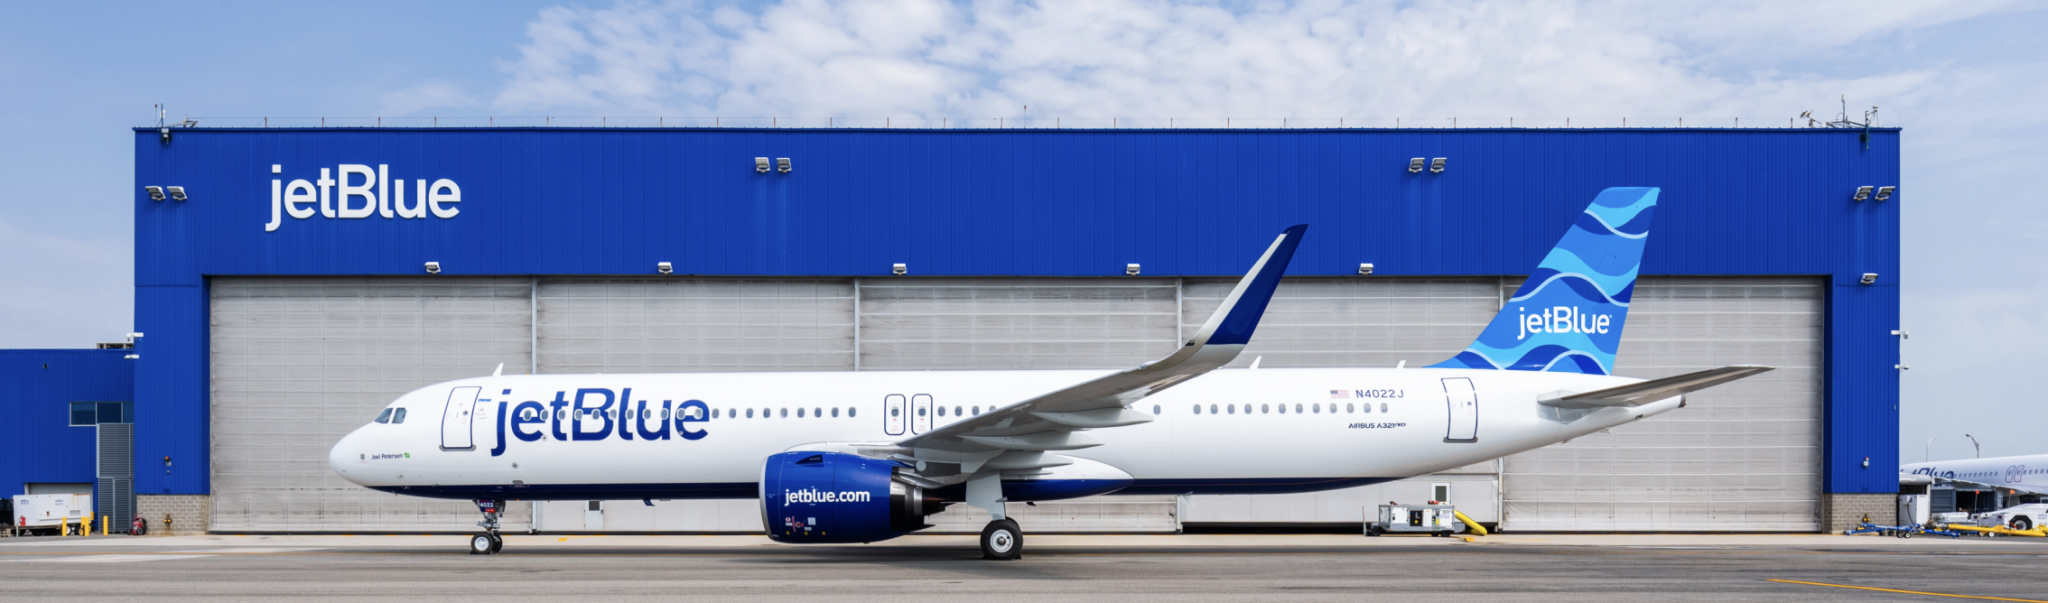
{"x":1124,"y":568}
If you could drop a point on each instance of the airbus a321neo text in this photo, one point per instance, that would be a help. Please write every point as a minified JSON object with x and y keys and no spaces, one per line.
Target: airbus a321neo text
{"x":854,"y":457}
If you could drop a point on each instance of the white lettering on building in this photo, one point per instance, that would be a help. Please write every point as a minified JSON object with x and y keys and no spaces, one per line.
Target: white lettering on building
{"x":354,"y":191}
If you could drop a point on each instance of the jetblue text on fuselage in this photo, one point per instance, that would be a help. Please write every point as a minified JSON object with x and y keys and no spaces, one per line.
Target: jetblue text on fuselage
{"x":597,"y":414}
{"x":355,"y":191}
{"x":1562,"y":319}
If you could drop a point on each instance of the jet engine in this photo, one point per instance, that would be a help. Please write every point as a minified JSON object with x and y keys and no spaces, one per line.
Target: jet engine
{"x":830,"y":497}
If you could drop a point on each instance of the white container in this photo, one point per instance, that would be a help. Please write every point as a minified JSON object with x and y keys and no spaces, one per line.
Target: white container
{"x":51,"y":510}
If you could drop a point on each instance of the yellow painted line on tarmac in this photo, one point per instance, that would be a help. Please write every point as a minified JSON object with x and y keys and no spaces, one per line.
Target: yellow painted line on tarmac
{"x":1907,"y":592}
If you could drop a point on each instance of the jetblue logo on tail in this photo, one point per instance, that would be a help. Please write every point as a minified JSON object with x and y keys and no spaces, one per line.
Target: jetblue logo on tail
{"x":1568,"y":316}
{"x":1563,"y":319}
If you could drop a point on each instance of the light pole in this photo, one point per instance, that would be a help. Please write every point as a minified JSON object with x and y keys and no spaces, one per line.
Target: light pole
{"x":1974,"y":444}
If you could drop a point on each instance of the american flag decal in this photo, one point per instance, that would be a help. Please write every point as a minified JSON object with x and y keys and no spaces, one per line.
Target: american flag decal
{"x":1340,"y":393}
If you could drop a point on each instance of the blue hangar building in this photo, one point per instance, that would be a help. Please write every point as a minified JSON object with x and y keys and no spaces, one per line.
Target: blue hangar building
{"x":290,"y":282}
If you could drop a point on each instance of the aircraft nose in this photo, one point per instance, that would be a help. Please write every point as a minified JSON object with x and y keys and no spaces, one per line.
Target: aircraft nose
{"x":338,"y":457}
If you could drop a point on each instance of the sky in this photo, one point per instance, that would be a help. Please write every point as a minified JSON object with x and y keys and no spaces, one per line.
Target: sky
{"x":1959,"y":77}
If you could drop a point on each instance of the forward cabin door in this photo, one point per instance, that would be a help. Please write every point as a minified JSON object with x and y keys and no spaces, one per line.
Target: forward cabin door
{"x":1463,"y":404}
{"x":456,"y":419}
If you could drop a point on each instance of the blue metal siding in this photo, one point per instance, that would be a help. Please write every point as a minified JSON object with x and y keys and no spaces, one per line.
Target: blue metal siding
{"x":37,"y":388}
{"x":1046,"y":202}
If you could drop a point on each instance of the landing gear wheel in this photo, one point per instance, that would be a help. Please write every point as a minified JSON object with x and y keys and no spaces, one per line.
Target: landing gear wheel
{"x":497,"y":543}
{"x":1002,"y":540}
{"x":482,"y":544}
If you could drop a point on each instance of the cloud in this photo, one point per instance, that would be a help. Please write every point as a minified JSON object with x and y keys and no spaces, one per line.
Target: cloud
{"x":1111,"y":58}
{"x":431,"y":94}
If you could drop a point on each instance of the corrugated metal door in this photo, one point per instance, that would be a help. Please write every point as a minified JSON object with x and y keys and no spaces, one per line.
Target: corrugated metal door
{"x":297,"y":363}
{"x":1014,"y":323}
{"x":694,"y":325}
{"x":1739,"y":457}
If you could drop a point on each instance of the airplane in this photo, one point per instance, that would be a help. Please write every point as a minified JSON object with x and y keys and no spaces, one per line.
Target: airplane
{"x":2025,"y":473}
{"x":858,"y":457}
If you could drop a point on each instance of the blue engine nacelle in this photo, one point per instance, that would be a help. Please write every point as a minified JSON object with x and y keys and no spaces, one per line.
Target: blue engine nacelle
{"x":829,"y":497}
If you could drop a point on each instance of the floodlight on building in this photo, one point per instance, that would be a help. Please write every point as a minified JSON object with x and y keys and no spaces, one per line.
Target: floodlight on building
{"x":156,"y":193}
{"x":1130,"y":269}
{"x":1415,"y":165}
{"x":782,"y":165}
{"x":1365,"y":269}
{"x":761,"y":164}
{"x":1862,"y":192}
{"x":177,"y":192}
{"x":665,"y":268}
{"x":899,"y":269}
{"x":433,"y":267}
{"x":1868,"y":278}
{"x":1436,"y":166}
{"x":1885,"y":192}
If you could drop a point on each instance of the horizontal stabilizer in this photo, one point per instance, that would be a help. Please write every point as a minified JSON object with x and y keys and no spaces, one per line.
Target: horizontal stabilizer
{"x":1638,"y":394}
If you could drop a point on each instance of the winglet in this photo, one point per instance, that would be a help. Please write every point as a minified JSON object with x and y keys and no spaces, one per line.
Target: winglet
{"x":500,"y":371}
{"x":1233,"y":323}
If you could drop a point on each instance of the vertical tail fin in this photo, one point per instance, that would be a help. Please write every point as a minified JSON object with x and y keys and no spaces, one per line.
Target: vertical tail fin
{"x":1568,"y":316}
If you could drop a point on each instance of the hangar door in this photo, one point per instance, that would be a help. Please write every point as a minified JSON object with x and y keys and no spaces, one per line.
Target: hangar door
{"x":1740,"y":457}
{"x":297,"y":363}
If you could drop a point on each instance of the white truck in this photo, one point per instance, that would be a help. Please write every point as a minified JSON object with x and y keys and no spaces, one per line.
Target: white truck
{"x":50,"y":512}
{"x":2021,"y":517}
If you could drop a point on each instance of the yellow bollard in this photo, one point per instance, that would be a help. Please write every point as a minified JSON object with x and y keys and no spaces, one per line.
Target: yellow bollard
{"x":104,"y":524}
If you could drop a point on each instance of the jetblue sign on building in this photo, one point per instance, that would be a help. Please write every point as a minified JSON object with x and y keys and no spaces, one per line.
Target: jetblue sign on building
{"x":355,"y":191}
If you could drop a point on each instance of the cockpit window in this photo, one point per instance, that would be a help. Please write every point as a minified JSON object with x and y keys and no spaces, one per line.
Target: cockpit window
{"x":398,"y":417}
{"x":384,"y":417}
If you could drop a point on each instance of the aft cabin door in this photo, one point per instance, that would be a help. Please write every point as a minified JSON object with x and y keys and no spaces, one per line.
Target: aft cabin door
{"x":1463,"y":405}
{"x":455,"y":419}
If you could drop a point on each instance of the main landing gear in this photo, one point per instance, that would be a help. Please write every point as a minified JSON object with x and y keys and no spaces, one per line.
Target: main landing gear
{"x":1002,"y":540}
{"x":489,"y":542}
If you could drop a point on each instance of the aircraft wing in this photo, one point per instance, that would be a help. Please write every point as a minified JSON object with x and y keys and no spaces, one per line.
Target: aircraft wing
{"x":1020,"y":435}
{"x":1638,"y":394}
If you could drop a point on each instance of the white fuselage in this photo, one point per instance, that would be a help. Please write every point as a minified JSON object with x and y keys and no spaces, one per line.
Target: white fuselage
{"x":1270,"y":430}
{"x":2026,"y":473}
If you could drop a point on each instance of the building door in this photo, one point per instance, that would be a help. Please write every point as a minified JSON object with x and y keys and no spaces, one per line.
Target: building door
{"x":1463,"y":405}
{"x":893,"y":414}
{"x":456,"y":420}
{"x":593,"y":516}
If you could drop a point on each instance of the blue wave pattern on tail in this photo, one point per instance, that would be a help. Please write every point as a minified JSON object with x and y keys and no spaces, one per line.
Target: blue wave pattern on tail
{"x":1568,"y":316}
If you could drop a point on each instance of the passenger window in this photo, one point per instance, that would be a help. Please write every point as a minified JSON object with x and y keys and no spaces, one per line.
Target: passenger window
{"x":942,"y":411}
{"x":1348,"y":408}
{"x":1383,"y":407}
{"x":1212,"y":409}
{"x":849,"y":412}
{"x":1198,"y":409}
{"x":1318,"y":408}
{"x":818,"y":412}
{"x":384,"y":417}
{"x":750,"y":413}
{"x":977,"y":411}
{"x":956,"y":411}
{"x":893,"y":411}
{"x":835,"y":412}
{"x":398,"y":417}
{"x":785,"y":413}
{"x":1155,"y":409}
{"x":1297,"y":409}
{"x":1283,"y":409}
{"x":1262,"y":409}
{"x":799,"y":413}
{"x":1232,"y":408}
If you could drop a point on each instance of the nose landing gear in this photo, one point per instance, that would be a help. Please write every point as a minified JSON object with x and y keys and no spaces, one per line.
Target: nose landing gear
{"x":489,"y":542}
